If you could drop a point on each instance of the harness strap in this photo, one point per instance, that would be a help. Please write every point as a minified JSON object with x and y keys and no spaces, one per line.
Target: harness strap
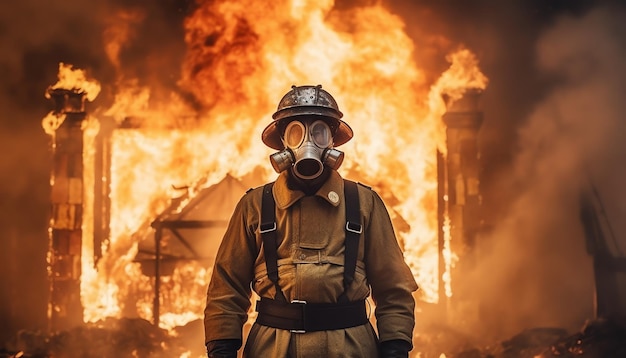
{"x":353,"y":229}
{"x":353,"y":233}
{"x":268,"y":235}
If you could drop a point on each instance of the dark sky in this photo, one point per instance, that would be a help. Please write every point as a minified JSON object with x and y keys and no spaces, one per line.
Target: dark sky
{"x":552,"y":114}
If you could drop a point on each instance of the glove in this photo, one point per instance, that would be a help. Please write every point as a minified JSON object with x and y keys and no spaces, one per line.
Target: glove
{"x":396,"y":348}
{"x":223,"y":348}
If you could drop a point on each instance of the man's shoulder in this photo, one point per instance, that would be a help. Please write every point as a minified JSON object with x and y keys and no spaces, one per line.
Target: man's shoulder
{"x":362,"y":185}
{"x":257,"y":191}
{"x":369,"y":195}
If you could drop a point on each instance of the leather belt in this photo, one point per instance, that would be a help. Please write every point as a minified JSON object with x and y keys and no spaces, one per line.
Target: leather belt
{"x":301,"y":317}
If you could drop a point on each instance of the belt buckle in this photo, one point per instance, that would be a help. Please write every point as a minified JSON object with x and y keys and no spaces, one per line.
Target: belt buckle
{"x":299,"y":330}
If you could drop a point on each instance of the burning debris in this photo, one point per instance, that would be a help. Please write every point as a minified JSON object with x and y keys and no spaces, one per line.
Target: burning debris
{"x":123,"y":337}
{"x":600,"y":338}
{"x":605,"y":337}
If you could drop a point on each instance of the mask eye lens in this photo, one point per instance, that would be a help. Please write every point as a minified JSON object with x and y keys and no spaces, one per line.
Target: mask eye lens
{"x":320,"y":134}
{"x":294,"y":134}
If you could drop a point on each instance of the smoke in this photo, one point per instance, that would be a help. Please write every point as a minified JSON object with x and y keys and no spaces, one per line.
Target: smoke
{"x":535,"y":270}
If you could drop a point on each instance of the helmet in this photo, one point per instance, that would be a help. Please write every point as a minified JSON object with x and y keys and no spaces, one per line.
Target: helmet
{"x":306,"y":101}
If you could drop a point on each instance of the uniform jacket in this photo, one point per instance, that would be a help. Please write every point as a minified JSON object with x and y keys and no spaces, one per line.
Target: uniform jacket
{"x":310,"y":268}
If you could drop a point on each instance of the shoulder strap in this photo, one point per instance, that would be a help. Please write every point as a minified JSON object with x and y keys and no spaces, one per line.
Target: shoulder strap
{"x":268,"y":235}
{"x":353,"y":233}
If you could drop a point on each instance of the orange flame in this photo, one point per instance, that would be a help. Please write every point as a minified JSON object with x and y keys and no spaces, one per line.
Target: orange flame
{"x":242,"y":56}
{"x":76,"y":80}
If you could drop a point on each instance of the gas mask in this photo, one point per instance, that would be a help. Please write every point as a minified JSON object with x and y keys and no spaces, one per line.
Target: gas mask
{"x":308,"y":147}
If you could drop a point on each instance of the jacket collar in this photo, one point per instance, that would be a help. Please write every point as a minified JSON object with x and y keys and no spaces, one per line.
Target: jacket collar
{"x":331,"y":191}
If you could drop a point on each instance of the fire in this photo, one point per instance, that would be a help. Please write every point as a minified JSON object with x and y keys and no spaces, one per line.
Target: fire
{"x":76,"y":80}
{"x":242,"y":56}
{"x":73,"y":80}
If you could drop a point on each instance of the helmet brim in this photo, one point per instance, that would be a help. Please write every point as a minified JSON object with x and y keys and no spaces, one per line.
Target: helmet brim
{"x":271,"y":134}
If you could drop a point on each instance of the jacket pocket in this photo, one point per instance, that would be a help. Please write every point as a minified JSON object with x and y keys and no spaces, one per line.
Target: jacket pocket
{"x":264,"y":287}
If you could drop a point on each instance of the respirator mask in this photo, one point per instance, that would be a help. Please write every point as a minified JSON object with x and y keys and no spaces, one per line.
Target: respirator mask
{"x":308,"y":147}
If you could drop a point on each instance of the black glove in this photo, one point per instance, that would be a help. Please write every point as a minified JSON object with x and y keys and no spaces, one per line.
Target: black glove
{"x":223,"y":348}
{"x":396,"y":348}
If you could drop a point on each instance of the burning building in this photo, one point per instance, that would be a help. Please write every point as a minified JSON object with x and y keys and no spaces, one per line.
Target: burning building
{"x":159,"y":157}
{"x":177,"y":245}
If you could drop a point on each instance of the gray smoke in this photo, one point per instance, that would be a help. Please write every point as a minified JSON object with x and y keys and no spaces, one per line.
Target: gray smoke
{"x":537,"y":272}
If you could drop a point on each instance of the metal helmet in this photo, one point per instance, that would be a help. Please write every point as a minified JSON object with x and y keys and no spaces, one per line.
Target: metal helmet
{"x":306,"y":101}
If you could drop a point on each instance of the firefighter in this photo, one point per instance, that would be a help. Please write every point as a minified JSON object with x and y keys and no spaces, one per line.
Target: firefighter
{"x":313,"y":247}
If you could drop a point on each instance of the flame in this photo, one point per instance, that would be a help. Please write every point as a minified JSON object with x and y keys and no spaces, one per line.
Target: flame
{"x":75,"y":80}
{"x":242,"y":56}
{"x":449,"y":258}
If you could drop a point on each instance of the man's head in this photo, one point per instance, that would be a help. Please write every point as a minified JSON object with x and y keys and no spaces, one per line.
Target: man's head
{"x":307,"y":126}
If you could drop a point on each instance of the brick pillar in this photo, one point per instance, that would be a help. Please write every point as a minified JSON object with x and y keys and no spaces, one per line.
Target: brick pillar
{"x":65,"y":233}
{"x":463,"y":120}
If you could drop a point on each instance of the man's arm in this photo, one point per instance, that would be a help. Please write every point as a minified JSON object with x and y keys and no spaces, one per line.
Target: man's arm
{"x":390,"y":278}
{"x":228,"y":294}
